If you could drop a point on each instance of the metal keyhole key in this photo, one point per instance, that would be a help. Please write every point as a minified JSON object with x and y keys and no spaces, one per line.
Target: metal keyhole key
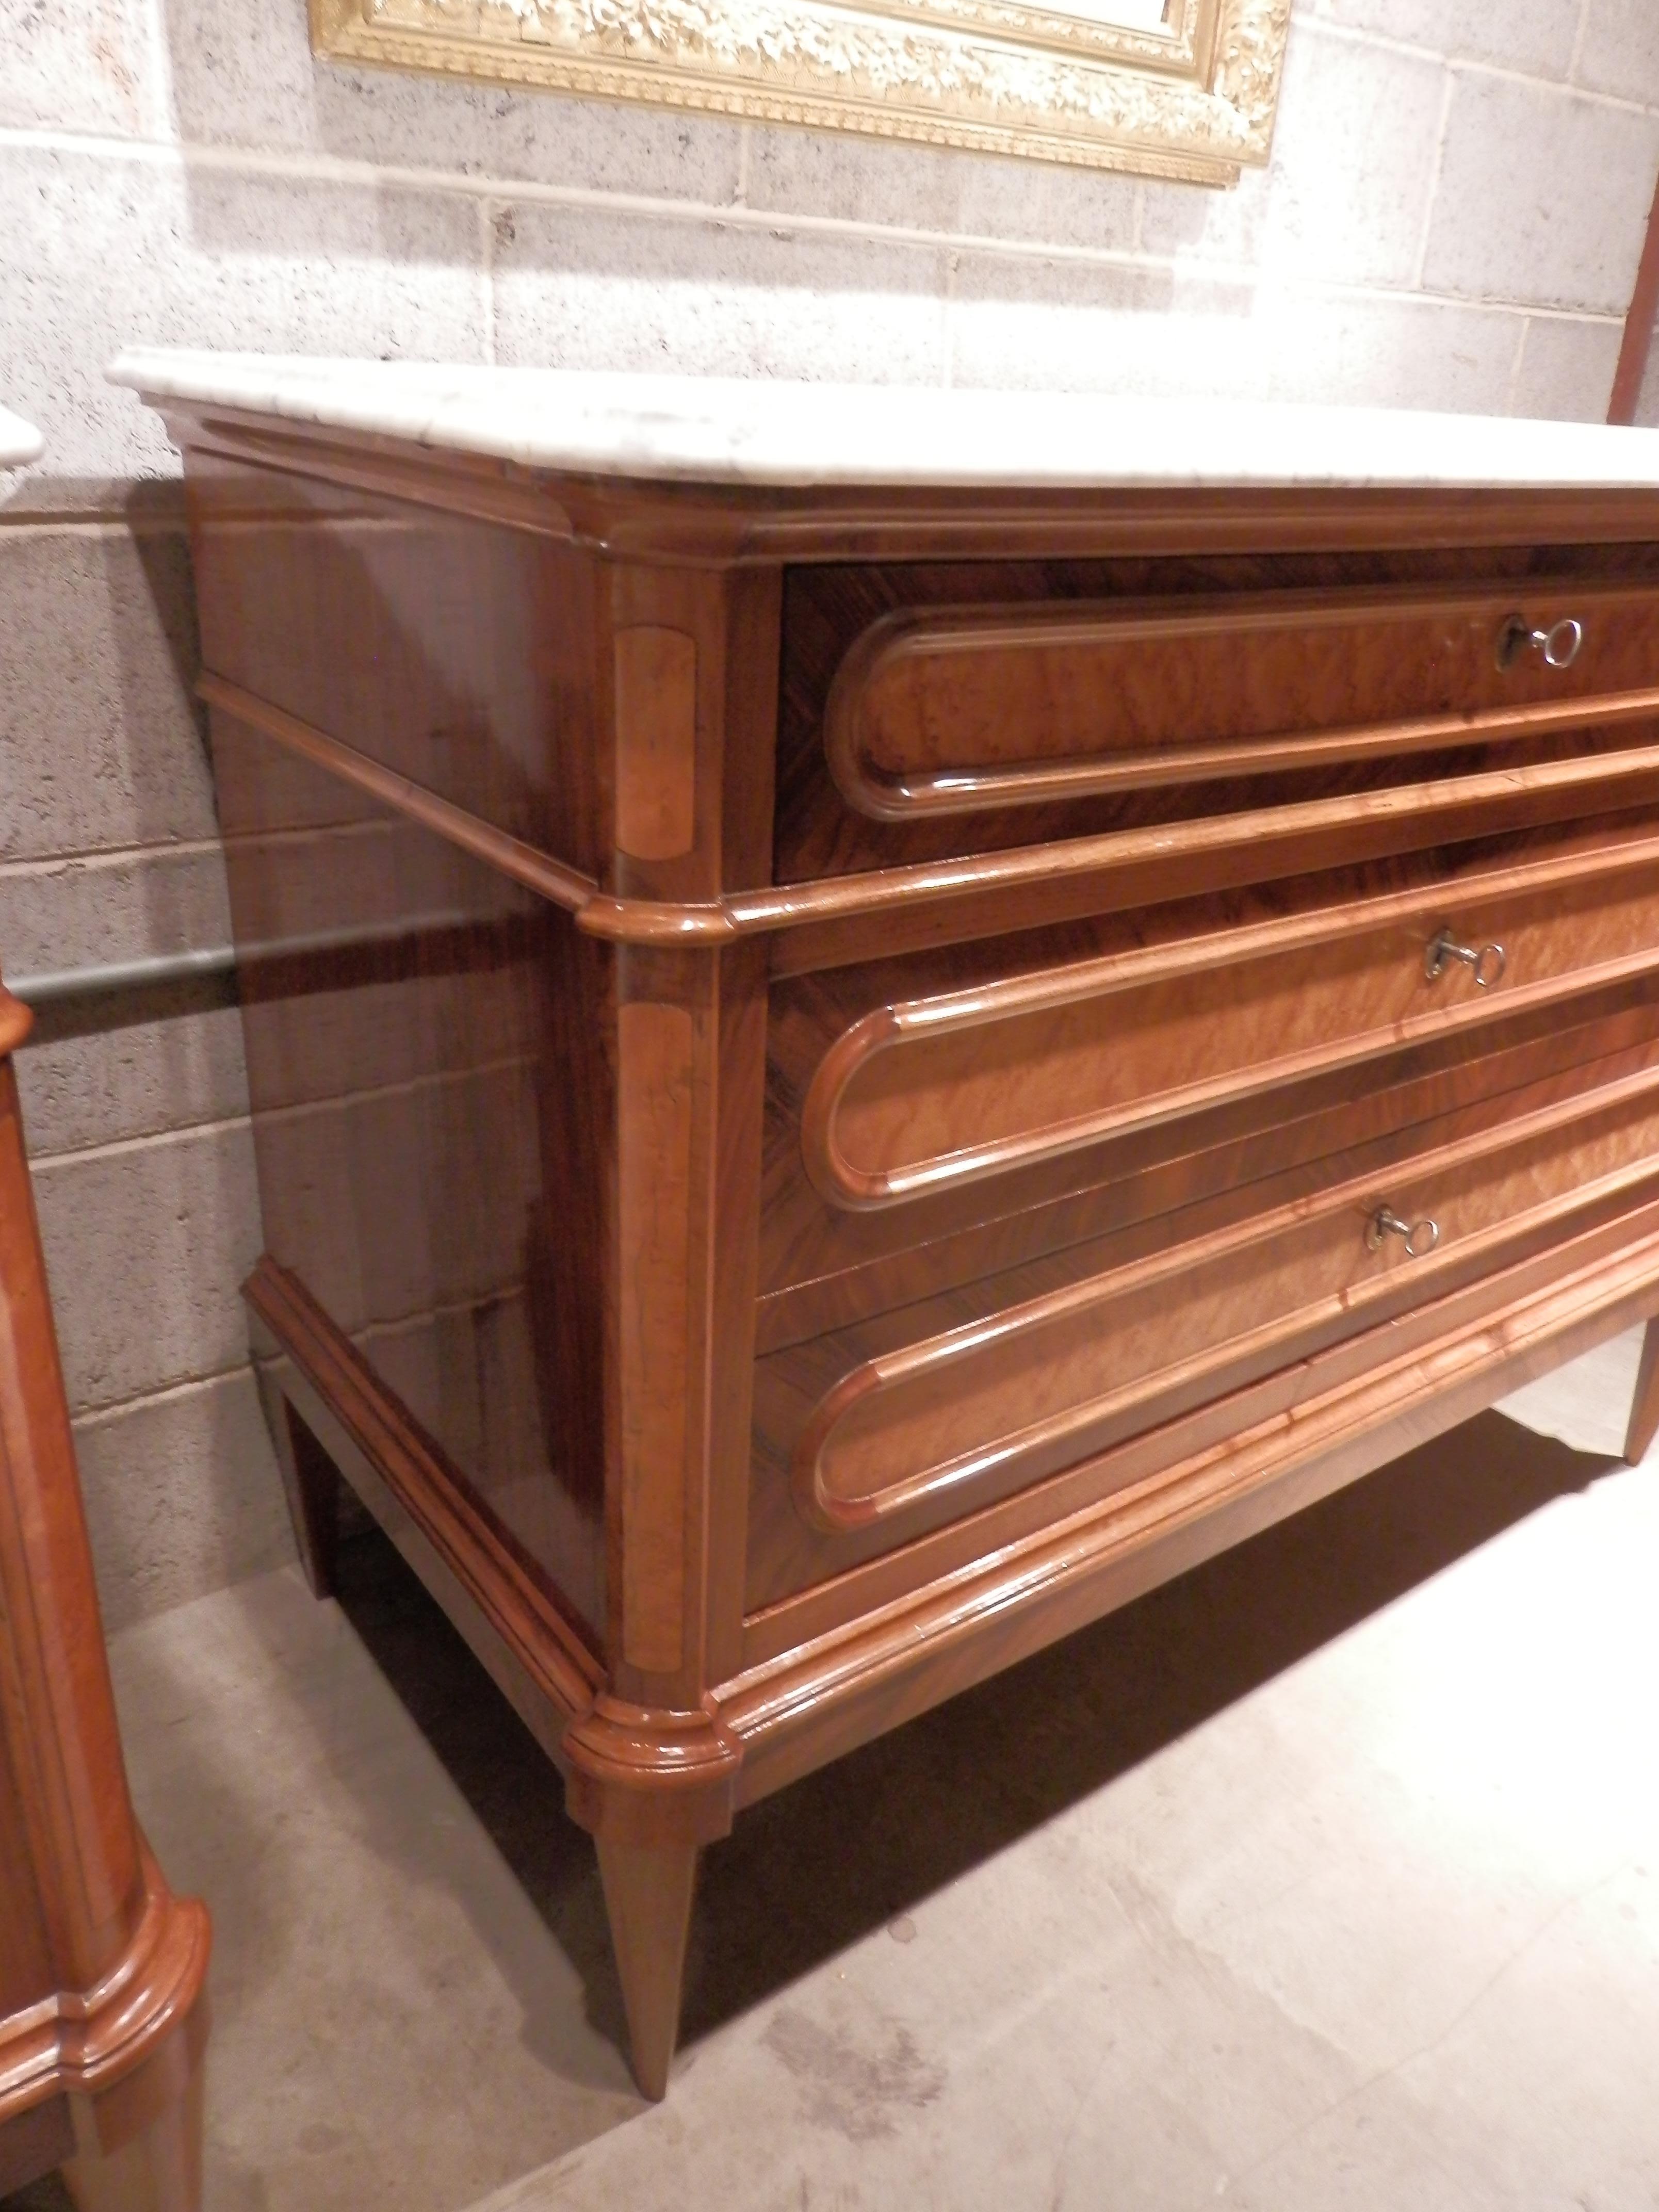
{"x":1558,"y":644}
{"x":1421,"y":1236}
{"x":1488,"y":961}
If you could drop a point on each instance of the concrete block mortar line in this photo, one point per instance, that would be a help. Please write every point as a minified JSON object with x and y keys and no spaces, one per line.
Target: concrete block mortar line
{"x":151,"y":1140}
{"x":158,"y":75}
{"x":299,"y":1109}
{"x":409,"y":1086}
{"x":1447,"y":90}
{"x":109,"y":856}
{"x":70,"y":525}
{"x":1352,"y":34}
{"x":487,"y":277}
{"x":1580,"y":35}
{"x":239,"y":160}
{"x":101,"y":1417}
{"x":104,"y":1415}
{"x":740,"y":190}
{"x":948,"y":320}
{"x":1513,"y":392}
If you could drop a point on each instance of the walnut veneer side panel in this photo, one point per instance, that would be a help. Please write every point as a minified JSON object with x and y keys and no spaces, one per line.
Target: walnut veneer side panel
{"x":427,"y":1064}
{"x":455,"y":651}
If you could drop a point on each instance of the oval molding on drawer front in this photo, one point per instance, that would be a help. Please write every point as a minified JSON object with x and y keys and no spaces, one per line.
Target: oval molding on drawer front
{"x":951,"y":1415}
{"x":928,"y":1094}
{"x":957,"y":712}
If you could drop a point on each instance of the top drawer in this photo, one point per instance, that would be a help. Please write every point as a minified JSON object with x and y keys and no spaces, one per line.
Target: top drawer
{"x":943,"y":728}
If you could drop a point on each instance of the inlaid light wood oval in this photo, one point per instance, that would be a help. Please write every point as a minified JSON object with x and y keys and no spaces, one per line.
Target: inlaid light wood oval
{"x":957,"y":712}
{"x":932,"y":1093}
{"x":655,"y":676}
{"x":1010,"y":1399}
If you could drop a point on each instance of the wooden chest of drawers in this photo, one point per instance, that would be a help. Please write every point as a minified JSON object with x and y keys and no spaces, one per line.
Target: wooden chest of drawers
{"x":855,"y":1063}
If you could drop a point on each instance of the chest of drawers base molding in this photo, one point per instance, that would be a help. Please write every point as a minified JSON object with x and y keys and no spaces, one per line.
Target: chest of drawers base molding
{"x":534,"y":1030}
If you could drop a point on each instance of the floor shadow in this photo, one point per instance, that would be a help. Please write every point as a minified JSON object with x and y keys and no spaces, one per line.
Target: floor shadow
{"x":838,"y":1854}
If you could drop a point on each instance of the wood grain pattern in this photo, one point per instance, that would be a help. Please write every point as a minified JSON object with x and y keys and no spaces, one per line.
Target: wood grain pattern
{"x":836,"y":1269}
{"x":1262,"y":684}
{"x":945,"y":1089}
{"x":502,"y":1605}
{"x":1009,"y":1398}
{"x":808,"y":1240}
{"x":653,"y":1174}
{"x":889,"y":1579}
{"x":655,"y":679}
{"x":431,"y":1116}
{"x":536,"y":870}
{"x":846,"y":920}
{"x":1185,"y":782}
{"x":961,"y":714}
{"x":103,"y":2015}
{"x":880,"y":1665}
{"x":647,"y":1896}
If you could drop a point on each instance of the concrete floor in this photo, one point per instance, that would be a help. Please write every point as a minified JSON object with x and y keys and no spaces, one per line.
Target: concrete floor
{"x":1326,"y":1876}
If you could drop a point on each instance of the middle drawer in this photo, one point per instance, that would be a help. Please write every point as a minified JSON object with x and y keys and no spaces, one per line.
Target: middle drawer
{"x":912,"y":1098}
{"x":945,"y":1090}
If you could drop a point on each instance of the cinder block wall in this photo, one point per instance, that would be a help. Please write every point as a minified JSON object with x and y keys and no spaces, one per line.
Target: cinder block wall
{"x":1452,"y":218}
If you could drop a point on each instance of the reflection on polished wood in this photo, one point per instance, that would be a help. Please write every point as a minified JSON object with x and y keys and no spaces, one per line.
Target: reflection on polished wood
{"x":103,"y":2011}
{"x":952,"y":1414}
{"x":833,"y":1054}
{"x":932,"y":1092}
{"x":957,"y":714}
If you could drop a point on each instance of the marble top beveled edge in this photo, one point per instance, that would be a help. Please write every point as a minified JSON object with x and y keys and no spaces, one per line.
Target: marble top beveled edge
{"x":771,"y":433}
{"x":20,"y":442}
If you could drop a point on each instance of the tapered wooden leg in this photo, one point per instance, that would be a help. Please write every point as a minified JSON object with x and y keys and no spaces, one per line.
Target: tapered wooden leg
{"x":647,"y":1897}
{"x":1645,"y":1406}
{"x":312,"y":1482}
{"x":157,"y":2170}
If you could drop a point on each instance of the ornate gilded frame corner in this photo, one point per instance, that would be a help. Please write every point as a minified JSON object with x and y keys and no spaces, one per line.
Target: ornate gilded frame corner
{"x":1195,"y":100}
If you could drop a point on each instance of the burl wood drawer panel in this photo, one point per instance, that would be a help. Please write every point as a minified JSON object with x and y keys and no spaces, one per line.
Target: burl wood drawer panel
{"x":938,"y":728}
{"x":873,"y":1434}
{"x":937,"y":1090}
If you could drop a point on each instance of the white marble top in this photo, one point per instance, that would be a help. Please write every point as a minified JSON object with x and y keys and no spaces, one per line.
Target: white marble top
{"x":733,"y":431}
{"x":20,"y":442}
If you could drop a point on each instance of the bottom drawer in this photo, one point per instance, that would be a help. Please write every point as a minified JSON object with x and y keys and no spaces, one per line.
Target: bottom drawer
{"x":880,"y":1433}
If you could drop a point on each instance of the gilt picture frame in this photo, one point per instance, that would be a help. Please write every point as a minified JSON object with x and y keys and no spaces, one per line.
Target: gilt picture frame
{"x":1193,"y":98}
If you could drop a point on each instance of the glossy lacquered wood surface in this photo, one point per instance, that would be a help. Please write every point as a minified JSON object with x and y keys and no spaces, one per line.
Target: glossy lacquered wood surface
{"x":964,"y":712}
{"x":1035,"y":1066}
{"x":102,"y":1970}
{"x":882,"y":1430}
{"x":410,"y":1018}
{"x":933,"y":1091}
{"x":778,"y":1228}
{"x":947,"y":708}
